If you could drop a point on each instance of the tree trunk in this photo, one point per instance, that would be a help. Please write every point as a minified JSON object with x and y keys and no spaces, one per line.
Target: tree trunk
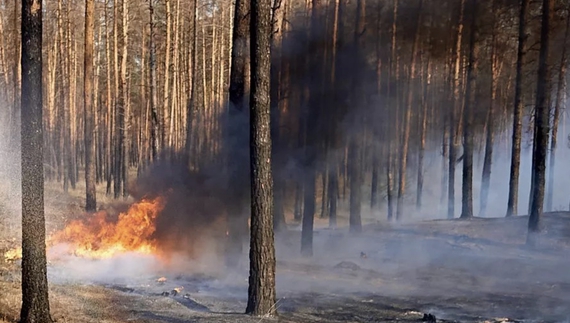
{"x":110,"y":104}
{"x":236,"y":138}
{"x":467,"y":182}
{"x":155,"y":124}
{"x":88,"y":111}
{"x":423,"y":129}
{"x":407,"y":119}
{"x":454,"y":117}
{"x":117,"y":143}
{"x":541,"y":125}
{"x":124,"y":108}
{"x":261,"y":292}
{"x":354,"y":148}
{"x":35,"y":300}
{"x":489,"y":141}
{"x":310,"y":146}
{"x":560,"y":106}
{"x":512,"y":203}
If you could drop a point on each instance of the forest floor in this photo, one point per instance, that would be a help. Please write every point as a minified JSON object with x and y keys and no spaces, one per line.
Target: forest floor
{"x":459,"y":271}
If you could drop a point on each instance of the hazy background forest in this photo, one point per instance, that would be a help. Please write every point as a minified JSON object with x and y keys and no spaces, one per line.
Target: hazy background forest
{"x":366,"y":98}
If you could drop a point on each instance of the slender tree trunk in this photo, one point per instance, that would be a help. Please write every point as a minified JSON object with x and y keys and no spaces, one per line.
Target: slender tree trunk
{"x":278,"y":27}
{"x":110,"y":104}
{"x":155,"y":127}
{"x":261,"y":292}
{"x":541,"y":125}
{"x":117,"y":143}
{"x":423,"y":130}
{"x":454,"y":117}
{"x":88,"y":111}
{"x":332,"y":188}
{"x":467,"y":183}
{"x":310,"y":146}
{"x":354,"y":148}
{"x":407,"y":120}
{"x":237,"y":142}
{"x":35,"y":300}
{"x":559,"y":106}
{"x":512,"y":203}
{"x":166,"y":92}
{"x":489,"y":141}
{"x":124,"y":107}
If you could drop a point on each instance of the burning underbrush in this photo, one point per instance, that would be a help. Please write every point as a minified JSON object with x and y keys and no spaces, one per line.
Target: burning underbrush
{"x":177,"y":213}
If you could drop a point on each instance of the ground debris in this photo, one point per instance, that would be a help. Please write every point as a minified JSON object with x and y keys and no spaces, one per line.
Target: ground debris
{"x":502,"y":320}
{"x":428,"y":317}
{"x":347,"y":265}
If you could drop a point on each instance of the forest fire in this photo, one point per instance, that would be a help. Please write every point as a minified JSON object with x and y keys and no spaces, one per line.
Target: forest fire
{"x":101,"y":237}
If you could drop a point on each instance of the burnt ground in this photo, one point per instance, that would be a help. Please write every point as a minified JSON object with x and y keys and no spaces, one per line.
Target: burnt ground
{"x":459,"y":271}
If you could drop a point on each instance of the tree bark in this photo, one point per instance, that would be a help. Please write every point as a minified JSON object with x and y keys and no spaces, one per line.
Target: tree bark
{"x":407,"y":119}
{"x":35,"y":300}
{"x":541,"y":127}
{"x":261,"y":292}
{"x":236,"y":136}
{"x":88,"y":111}
{"x":155,"y":123}
{"x":453,"y":119}
{"x":489,"y":141}
{"x":354,"y":148}
{"x":467,"y":183}
{"x":512,"y":204}
{"x":559,"y":106}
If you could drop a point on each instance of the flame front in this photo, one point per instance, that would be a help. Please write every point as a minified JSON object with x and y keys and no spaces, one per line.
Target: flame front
{"x":100,"y":237}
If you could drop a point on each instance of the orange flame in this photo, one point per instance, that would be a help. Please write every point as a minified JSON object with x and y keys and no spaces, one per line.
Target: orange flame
{"x":100,"y":237}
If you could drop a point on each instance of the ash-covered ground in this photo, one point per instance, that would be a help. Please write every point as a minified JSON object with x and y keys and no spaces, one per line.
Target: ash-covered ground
{"x":463,"y":271}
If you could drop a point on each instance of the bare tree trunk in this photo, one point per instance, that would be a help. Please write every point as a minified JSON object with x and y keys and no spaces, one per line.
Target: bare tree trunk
{"x":261,"y":292}
{"x":235,"y":137}
{"x":512,"y":204}
{"x":310,"y":148}
{"x":166,"y":92}
{"x":467,"y":183}
{"x":489,"y":141}
{"x":110,"y":104}
{"x":407,"y":119}
{"x":117,"y":143}
{"x":541,"y":125}
{"x":155,"y":127}
{"x":558,"y":108}
{"x":88,"y":111}
{"x":124,"y":108}
{"x":35,"y":300}
{"x":354,"y":148}
{"x":454,"y":117}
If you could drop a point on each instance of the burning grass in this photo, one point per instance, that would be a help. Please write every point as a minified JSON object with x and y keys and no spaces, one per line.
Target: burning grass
{"x":101,"y":236}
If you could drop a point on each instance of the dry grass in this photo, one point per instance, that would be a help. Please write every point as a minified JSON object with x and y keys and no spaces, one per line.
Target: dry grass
{"x":69,"y":303}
